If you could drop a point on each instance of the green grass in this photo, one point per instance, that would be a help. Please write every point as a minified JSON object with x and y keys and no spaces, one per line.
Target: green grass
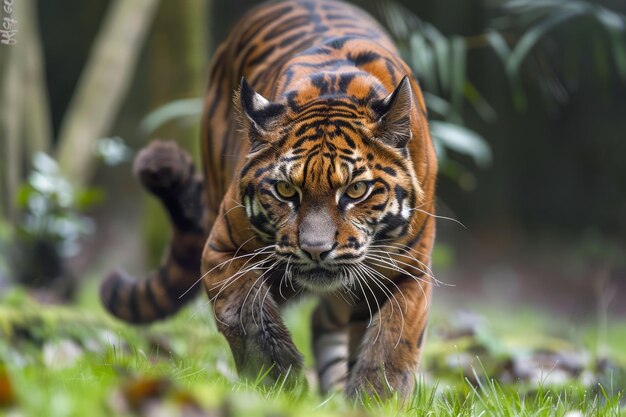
{"x":186,"y":365}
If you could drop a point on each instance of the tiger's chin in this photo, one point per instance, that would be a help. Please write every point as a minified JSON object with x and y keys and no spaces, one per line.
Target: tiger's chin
{"x":320,"y":280}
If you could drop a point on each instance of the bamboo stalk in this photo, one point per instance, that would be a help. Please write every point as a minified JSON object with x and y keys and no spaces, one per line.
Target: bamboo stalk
{"x":38,"y":127}
{"x":12,"y":123}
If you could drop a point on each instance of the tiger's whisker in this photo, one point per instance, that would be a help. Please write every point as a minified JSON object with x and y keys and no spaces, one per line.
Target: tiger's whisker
{"x":380,"y":324}
{"x":427,"y":270}
{"x":248,"y":294}
{"x":220,"y":265}
{"x":439,"y":217}
{"x":358,"y":281}
{"x":384,"y":263}
{"x":370,"y":273}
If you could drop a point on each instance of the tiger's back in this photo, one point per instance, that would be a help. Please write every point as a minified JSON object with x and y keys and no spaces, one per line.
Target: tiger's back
{"x":274,"y":46}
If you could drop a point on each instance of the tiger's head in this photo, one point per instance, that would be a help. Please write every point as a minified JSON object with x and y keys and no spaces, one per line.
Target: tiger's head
{"x":328,"y":179}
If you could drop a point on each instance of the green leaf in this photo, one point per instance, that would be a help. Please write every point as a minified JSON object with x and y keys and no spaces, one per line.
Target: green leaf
{"x":441,"y":53}
{"x":517,"y":91}
{"x":88,"y":198}
{"x":499,"y":45}
{"x":618,"y":43}
{"x":462,"y":140}
{"x":600,"y":56}
{"x":191,"y":107}
{"x":534,"y":34}
{"x":615,"y":25}
{"x":609,"y":19}
{"x":397,"y":18}
{"x":478,"y":102}
{"x":438,"y":105}
{"x":534,"y":8}
{"x":23,"y":195}
{"x":422,"y":59}
{"x":458,"y":64}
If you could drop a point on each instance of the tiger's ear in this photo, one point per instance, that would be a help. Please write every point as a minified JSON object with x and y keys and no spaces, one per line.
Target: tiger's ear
{"x":393,"y":115}
{"x":262,"y":114}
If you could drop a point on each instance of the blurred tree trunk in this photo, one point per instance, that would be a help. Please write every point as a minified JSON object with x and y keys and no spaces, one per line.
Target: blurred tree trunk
{"x":25,"y":114}
{"x":38,"y":128}
{"x":178,"y":54}
{"x":12,"y":111}
{"x":103,"y":84}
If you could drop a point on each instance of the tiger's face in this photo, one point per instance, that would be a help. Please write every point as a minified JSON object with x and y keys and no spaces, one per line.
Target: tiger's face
{"x":328,"y":181}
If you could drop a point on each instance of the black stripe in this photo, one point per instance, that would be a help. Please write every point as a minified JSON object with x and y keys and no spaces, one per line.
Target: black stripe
{"x":337,"y":17}
{"x":163,"y":279}
{"x":229,"y":232}
{"x":287,"y":25}
{"x":390,"y":70}
{"x":154,"y":303}
{"x":420,"y":339}
{"x":360,"y":317}
{"x":261,"y":23}
{"x":185,"y":262}
{"x":221,"y":250}
{"x":363,"y":58}
{"x":387,"y":170}
{"x":291,"y":39}
{"x":111,"y":303}
{"x":330,"y":364}
{"x":133,"y":303}
{"x":284,"y":57}
{"x":262,"y":56}
{"x":346,"y":256}
{"x":420,"y":233}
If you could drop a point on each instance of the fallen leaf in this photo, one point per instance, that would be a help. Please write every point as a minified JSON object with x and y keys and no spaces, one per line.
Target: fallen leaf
{"x":139,"y":391}
{"x":7,"y":394}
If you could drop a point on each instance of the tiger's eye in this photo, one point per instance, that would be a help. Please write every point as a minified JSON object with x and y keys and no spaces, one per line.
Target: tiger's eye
{"x":356,"y":190}
{"x":285,"y":190}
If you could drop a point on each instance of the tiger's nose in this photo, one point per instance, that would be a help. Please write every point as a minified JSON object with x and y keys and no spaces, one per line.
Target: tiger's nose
{"x":317,"y":233}
{"x":316,"y":250}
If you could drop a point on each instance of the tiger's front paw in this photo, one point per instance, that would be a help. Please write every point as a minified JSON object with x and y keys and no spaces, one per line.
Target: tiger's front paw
{"x":272,"y":358}
{"x":380,"y":381}
{"x":162,"y":167}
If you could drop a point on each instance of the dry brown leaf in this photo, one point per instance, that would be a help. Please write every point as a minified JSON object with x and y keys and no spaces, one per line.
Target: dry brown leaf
{"x":7,"y":394}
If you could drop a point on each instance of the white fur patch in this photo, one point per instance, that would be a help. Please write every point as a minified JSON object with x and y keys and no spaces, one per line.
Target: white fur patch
{"x":259,"y":102}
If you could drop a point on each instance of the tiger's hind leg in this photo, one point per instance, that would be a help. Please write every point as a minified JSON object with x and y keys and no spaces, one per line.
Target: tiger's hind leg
{"x":330,"y":344}
{"x":169,"y":174}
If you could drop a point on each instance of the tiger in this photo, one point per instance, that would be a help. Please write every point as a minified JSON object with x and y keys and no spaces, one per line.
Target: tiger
{"x":318,"y":178}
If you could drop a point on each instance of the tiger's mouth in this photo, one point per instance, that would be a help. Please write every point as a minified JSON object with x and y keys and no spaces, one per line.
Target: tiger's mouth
{"x":319,"y":279}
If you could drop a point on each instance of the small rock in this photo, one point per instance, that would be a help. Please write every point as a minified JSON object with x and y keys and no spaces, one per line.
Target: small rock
{"x":62,"y":354}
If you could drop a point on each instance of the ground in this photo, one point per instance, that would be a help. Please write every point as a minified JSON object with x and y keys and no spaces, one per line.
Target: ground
{"x":77,"y":361}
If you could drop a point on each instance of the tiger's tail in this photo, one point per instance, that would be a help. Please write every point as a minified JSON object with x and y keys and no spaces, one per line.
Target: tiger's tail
{"x":168,"y":173}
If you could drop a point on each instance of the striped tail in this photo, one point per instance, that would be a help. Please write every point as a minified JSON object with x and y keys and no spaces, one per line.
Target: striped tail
{"x":168,"y":173}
